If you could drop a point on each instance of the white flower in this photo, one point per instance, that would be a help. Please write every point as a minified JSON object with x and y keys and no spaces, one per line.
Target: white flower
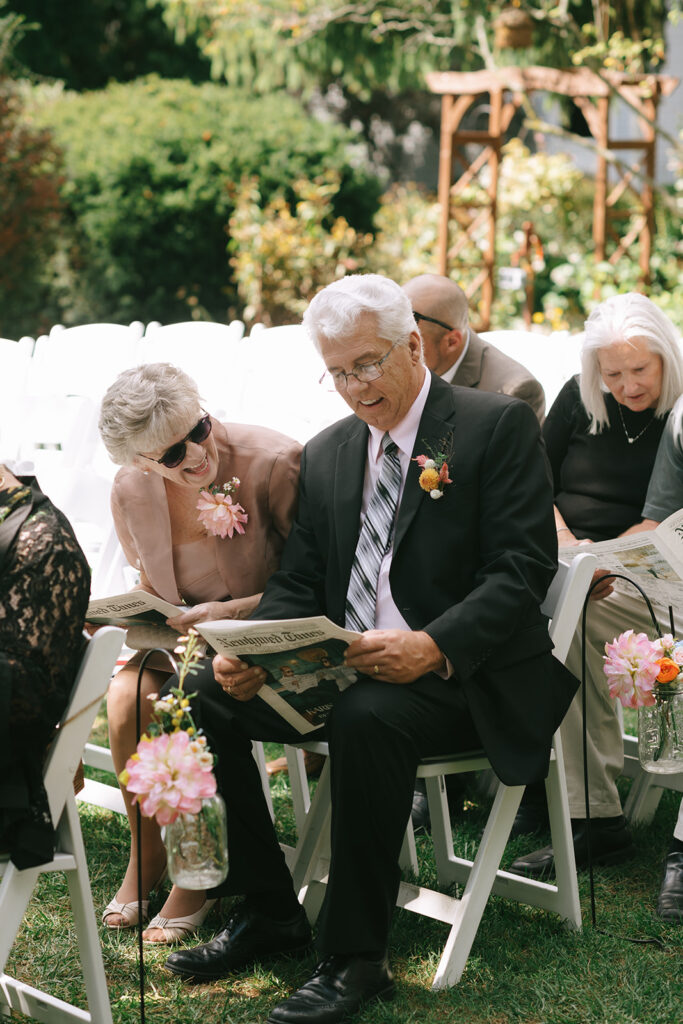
{"x":429,"y":464}
{"x":436,"y":493}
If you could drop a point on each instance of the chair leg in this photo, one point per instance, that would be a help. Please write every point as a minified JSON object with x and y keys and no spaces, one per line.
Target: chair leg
{"x":298,"y":781}
{"x":90,"y":950}
{"x":643,"y":799}
{"x":442,"y":834}
{"x":470,"y":906}
{"x":567,"y":899}
{"x":260,"y":758}
{"x":314,"y":838}
{"x":16,"y":890}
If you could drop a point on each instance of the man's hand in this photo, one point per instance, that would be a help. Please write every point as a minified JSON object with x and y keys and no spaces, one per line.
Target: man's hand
{"x":603,"y":589}
{"x":239,"y":680}
{"x":398,"y":655}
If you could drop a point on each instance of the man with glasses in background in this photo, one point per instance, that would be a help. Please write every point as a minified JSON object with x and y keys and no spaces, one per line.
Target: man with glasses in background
{"x":454,"y":351}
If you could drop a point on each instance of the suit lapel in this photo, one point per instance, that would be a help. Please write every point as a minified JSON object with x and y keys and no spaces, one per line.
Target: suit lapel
{"x":437,"y":422}
{"x":469,"y":371}
{"x":348,"y":493}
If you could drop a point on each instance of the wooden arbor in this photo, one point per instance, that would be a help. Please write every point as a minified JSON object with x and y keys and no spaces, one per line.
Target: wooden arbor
{"x":474,"y":215}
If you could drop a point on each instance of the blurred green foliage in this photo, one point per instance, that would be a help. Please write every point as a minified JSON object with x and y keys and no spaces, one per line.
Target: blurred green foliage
{"x":87,"y":43}
{"x":149,"y":173}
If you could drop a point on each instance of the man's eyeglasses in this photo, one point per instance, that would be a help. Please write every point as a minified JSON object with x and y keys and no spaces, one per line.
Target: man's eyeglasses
{"x":432,"y":320}
{"x":364,"y":373}
{"x":174,"y":455}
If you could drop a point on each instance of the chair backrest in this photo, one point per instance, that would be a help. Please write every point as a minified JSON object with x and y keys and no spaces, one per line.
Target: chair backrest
{"x":82,"y":360}
{"x":564,"y":600}
{"x":281,"y":389}
{"x":210,"y":353}
{"x":88,"y":690}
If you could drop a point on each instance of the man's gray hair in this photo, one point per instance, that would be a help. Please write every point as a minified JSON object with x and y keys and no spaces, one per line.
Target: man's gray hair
{"x":334,"y":312}
{"x":145,"y":408}
{"x":617,"y":321}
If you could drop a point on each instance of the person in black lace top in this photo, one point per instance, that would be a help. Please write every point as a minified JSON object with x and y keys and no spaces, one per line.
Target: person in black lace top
{"x":602,"y":435}
{"x":44,"y":590}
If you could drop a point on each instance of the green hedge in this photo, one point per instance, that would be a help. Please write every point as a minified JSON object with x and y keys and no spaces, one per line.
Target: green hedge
{"x":150,"y":172}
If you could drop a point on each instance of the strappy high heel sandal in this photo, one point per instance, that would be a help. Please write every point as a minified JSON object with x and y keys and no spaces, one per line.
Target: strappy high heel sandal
{"x":175,"y":929}
{"x":130,"y":912}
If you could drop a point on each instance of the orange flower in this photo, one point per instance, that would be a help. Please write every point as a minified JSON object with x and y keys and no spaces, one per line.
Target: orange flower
{"x":668,"y":670}
{"x":429,"y":479}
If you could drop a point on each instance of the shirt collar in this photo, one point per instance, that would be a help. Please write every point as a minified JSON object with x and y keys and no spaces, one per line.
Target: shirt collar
{"x":404,"y":433}
{"x":452,"y":370}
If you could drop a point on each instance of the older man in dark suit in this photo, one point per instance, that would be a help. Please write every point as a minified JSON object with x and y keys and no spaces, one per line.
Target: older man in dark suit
{"x":457,"y":353}
{"x":444,"y":584}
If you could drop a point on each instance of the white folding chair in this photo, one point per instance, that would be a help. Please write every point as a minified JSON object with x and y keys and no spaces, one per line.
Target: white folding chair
{"x":211,"y":353}
{"x":82,"y":360}
{"x":281,"y":373}
{"x":15,"y":358}
{"x":17,"y":886}
{"x":480,"y":877}
{"x":647,"y":787}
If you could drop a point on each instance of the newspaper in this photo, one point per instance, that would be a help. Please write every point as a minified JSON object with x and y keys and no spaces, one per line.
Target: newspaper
{"x":143,"y":615}
{"x":303,"y":658}
{"x":653,"y":558}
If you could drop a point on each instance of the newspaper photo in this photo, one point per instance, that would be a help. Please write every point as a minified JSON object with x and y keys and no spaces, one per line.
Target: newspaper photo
{"x":143,"y":615}
{"x":303,"y":658}
{"x":653,"y":558}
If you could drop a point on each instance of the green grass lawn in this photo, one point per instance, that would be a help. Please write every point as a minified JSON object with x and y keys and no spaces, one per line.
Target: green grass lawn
{"x":524,"y":966}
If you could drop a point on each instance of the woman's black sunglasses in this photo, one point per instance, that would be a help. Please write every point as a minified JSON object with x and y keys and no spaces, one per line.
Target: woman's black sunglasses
{"x":174,"y":455}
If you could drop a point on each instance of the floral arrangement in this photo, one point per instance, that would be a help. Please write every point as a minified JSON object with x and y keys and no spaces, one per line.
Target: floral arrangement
{"x":434,"y":475}
{"x":639,"y":670}
{"x":218,"y":512}
{"x":171,"y":772}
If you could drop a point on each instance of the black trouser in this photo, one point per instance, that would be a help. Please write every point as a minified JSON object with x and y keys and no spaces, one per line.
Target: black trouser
{"x":377,"y":733}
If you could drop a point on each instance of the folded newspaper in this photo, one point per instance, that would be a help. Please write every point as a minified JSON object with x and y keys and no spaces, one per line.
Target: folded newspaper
{"x":143,"y":615}
{"x":653,"y":558}
{"x":303,"y":658}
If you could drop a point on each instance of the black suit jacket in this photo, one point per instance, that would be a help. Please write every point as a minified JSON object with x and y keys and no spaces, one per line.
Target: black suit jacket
{"x":470,"y":568}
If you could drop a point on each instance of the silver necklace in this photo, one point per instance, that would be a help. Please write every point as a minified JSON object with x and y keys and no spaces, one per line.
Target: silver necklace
{"x":632,"y":440}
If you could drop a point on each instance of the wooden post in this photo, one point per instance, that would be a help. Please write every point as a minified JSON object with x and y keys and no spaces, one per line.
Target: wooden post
{"x":445,"y":179}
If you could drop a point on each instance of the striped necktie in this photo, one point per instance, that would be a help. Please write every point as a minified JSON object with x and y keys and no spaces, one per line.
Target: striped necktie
{"x":373,"y":542}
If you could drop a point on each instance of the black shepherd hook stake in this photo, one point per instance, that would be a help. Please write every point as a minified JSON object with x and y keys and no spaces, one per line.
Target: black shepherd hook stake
{"x":138,"y":819}
{"x":608,"y":576}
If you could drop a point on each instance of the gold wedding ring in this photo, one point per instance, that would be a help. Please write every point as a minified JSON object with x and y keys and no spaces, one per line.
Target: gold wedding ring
{"x":375,"y":669}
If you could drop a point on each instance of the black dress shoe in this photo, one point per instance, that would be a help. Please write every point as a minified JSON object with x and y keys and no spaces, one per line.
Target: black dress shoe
{"x":337,"y":989}
{"x":532,"y":816}
{"x":247,"y":936}
{"x":611,"y":843}
{"x":670,"y":902}
{"x":419,"y":815}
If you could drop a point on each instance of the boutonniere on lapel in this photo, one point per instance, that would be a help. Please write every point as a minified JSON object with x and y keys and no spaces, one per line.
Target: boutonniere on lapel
{"x":434,"y":475}
{"x":218,"y":513}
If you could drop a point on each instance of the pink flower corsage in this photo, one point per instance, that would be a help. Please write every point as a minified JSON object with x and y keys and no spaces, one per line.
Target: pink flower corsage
{"x":434,"y":475}
{"x":218,"y":512}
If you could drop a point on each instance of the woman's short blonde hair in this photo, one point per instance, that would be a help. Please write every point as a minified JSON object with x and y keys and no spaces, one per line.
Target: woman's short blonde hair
{"x":145,"y":408}
{"x":616,"y":321}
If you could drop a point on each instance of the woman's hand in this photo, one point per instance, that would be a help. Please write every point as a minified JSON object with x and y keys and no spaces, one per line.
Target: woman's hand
{"x":239,"y":680}
{"x":240,"y":608}
{"x":603,"y":589}
{"x":401,"y":656}
{"x":566,"y":539}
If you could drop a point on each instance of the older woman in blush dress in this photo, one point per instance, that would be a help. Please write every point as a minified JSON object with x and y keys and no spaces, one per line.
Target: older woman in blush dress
{"x":153,"y":424}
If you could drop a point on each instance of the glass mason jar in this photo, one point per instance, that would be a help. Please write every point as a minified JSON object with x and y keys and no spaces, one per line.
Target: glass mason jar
{"x":660,"y":731}
{"x":197,"y":846}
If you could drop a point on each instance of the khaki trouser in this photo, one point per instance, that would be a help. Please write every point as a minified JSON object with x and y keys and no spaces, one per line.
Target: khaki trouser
{"x":606,"y":619}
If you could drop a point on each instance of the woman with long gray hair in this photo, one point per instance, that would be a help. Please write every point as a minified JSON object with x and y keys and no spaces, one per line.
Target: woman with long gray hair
{"x":602,"y":436}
